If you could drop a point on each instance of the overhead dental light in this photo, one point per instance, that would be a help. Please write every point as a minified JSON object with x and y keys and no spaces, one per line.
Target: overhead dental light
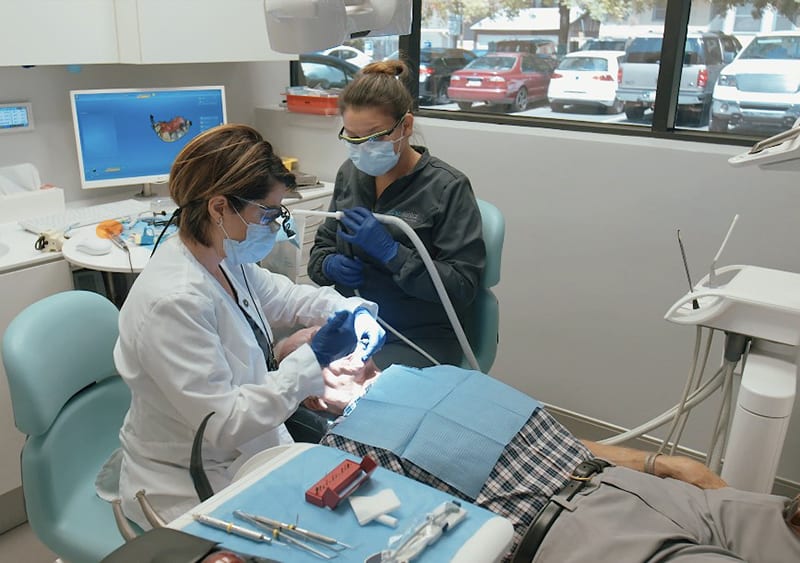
{"x":302,"y":26}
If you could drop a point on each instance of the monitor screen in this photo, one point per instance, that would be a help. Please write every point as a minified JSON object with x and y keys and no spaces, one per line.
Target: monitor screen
{"x":131,"y":136}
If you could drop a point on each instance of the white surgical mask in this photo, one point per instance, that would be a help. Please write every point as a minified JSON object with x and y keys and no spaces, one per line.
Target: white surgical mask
{"x":257,"y":243}
{"x":375,"y":158}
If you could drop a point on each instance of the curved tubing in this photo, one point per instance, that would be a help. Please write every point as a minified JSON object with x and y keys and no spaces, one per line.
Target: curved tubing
{"x":124,"y":527}
{"x":149,"y":512}
{"x":429,"y":265}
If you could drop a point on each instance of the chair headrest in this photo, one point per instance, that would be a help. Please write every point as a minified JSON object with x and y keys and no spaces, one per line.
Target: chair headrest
{"x":53,"y":349}
{"x":494,"y":232}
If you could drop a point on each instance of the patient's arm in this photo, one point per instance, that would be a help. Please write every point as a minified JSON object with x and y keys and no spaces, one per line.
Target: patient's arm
{"x":675,"y":466}
{"x":345,"y":379}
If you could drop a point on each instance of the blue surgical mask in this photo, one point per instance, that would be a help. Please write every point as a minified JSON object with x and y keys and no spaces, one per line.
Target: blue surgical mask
{"x":257,"y":244}
{"x":375,"y":158}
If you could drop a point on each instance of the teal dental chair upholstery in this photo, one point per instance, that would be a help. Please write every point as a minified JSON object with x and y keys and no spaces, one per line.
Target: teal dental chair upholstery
{"x":482,"y":320}
{"x":69,"y":401}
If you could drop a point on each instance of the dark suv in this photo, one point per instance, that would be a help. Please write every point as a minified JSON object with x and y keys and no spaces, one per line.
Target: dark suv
{"x":436,"y":65}
{"x":704,"y":56}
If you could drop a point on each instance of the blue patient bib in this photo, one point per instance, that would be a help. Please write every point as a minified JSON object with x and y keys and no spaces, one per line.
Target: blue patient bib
{"x":451,"y":422}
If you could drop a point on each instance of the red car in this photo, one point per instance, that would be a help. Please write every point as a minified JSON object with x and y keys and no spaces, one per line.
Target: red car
{"x":508,"y":79}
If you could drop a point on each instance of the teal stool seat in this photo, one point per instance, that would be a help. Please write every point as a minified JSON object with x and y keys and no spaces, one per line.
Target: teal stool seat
{"x":70,"y":402}
{"x":482,"y":320}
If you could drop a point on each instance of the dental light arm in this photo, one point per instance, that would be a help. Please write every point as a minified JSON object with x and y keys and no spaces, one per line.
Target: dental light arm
{"x":302,"y":26}
{"x":429,"y":265}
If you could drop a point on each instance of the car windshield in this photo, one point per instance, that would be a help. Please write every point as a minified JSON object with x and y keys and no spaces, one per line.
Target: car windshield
{"x":647,"y":50}
{"x":492,"y":63}
{"x":584,"y":63}
{"x":776,"y":47}
{"x":604,"y":45}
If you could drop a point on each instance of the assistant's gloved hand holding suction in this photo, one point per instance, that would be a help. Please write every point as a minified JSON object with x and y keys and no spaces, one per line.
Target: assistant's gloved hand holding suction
{"x":336,"y":339}
{"x":369,"y":333}
{"x":343,"y":270}
{"x":368,"y":233}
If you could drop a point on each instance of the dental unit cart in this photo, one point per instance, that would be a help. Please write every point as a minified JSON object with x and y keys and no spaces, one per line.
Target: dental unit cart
{"x":276,"y":488}
{"x":763,"y":304}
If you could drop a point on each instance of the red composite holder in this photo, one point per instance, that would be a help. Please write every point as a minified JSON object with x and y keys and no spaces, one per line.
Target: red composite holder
{"x":340,"y":483}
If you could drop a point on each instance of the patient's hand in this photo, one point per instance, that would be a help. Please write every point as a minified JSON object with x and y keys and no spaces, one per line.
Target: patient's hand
{"x":689,"y":470}
{"x":291,"y":343}
{"x":345,"y":379}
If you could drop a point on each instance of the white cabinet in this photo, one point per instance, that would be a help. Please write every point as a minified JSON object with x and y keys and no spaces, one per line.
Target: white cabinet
{"x":56,"y":32}
{"x":186,"y":31}
{"x":19,"y":289}
{"x":288,"y":259}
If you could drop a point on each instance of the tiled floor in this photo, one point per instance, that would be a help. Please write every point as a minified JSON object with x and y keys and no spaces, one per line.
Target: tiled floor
{"x":19,"y":545}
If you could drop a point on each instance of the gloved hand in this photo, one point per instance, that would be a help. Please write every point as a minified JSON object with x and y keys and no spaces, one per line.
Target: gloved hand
{"x":343,"y":270}
{"x":336,"y":339}
{"x":365,"y":231}
{"x":369,"y":333}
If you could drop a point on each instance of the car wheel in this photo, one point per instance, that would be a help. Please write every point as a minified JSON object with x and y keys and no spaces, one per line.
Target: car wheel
{"x":556,"y":106}
{"x":465,"y":106}
{"x":718,"y":124}
{"x":617,"y":107}
{"x":441,"y":93}
{"x":520,"y":100}
{"x":633,"y":111}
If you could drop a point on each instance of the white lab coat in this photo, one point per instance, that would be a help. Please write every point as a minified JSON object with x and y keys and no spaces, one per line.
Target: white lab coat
{"x":185,"y":349}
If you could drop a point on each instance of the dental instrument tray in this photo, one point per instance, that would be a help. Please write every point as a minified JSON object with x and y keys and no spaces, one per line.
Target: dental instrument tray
{"x":751,"y":300}
{"x":340,"y":483}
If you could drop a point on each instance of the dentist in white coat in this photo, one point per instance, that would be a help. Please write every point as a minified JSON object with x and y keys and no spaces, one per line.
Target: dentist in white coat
{"x":196,"y":330}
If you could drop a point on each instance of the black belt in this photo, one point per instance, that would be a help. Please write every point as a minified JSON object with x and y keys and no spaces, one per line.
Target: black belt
{"x":547,"y":515}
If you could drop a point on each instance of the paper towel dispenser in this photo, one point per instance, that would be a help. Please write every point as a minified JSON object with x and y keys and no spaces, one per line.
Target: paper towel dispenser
{"x":303,"y":26}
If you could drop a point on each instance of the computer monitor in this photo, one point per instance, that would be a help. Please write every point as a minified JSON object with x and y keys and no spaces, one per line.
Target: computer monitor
{"x":126,"y":137}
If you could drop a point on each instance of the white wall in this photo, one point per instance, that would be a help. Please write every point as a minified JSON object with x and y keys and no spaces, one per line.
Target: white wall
{"x":591,"y":262}
{"x":51,"y":145}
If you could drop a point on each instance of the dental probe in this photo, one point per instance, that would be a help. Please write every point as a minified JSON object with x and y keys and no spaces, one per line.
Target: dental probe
{"x":281,"y":534}
{"x":231,"y":528}
{"x":289,"y":528}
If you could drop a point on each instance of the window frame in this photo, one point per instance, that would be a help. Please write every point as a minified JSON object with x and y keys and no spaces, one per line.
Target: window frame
{"x":676,"y":23}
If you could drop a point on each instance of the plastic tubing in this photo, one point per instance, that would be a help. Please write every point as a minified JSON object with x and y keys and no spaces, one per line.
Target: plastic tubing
{"x":429,"y":265}
{"x":694,"y":399}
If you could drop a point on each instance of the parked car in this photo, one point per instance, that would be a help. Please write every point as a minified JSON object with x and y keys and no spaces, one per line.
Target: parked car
{"x":704,"y":57}
{"x":760,"y":89}
{"x":543,"y":48}
{"x":436,"y":66}
{"x":604,"y":44}
{"x":349,"y":54}
{"x":586,"y":78}
{"x":323,"y":71}
{"x":508,"y":79}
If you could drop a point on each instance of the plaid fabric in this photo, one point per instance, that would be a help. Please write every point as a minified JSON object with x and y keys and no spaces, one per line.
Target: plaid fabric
{"x":535,"y":465}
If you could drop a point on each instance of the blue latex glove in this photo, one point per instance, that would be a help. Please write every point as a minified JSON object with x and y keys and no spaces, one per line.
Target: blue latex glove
{"x":368,"y":233}
{"x":336,"y":339}
{"x":369,"y":333}
{"x":343,"y":270}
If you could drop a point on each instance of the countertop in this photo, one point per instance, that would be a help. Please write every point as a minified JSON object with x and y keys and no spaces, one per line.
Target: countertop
{"x":17,"y":250}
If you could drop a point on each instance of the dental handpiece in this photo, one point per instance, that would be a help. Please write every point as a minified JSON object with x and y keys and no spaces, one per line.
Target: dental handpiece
{"x":231,"y":528}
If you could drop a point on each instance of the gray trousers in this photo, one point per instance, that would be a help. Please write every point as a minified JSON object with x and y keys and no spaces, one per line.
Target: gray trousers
{"x":625,"y":516}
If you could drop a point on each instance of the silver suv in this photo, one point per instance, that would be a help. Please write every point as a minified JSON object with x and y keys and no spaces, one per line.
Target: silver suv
{"x":760,"y":90}
{"x":704,"y":56}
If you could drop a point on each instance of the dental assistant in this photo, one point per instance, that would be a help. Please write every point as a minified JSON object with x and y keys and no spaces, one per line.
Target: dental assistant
{"x":196,"y":330}
{"x":387,"y":174}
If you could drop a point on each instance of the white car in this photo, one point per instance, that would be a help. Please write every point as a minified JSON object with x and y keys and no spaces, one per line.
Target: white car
{"x":586,"y":78}
{"x":350,"y":54}
{"x":760,"y":89}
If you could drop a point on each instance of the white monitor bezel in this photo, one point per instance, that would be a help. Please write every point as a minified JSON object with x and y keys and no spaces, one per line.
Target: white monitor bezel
{"x":132,"y":180}
{"x":28,"y":109}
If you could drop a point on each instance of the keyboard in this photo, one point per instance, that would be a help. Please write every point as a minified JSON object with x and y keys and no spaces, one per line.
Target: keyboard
{"x":82,"y":216}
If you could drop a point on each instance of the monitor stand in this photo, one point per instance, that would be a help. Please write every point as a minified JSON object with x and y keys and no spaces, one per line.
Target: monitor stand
{"x":147,"y":191}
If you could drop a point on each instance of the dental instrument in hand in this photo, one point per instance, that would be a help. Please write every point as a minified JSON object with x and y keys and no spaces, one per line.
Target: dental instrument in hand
{"x":333,"y":543}
{"x":429,"y":265}
{"x":231,"y":528}
{"x":281,"y":534}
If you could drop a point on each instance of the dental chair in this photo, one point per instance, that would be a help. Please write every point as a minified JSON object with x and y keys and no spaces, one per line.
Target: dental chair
{"x":69,"y":401}
{"x":482,"y":320}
